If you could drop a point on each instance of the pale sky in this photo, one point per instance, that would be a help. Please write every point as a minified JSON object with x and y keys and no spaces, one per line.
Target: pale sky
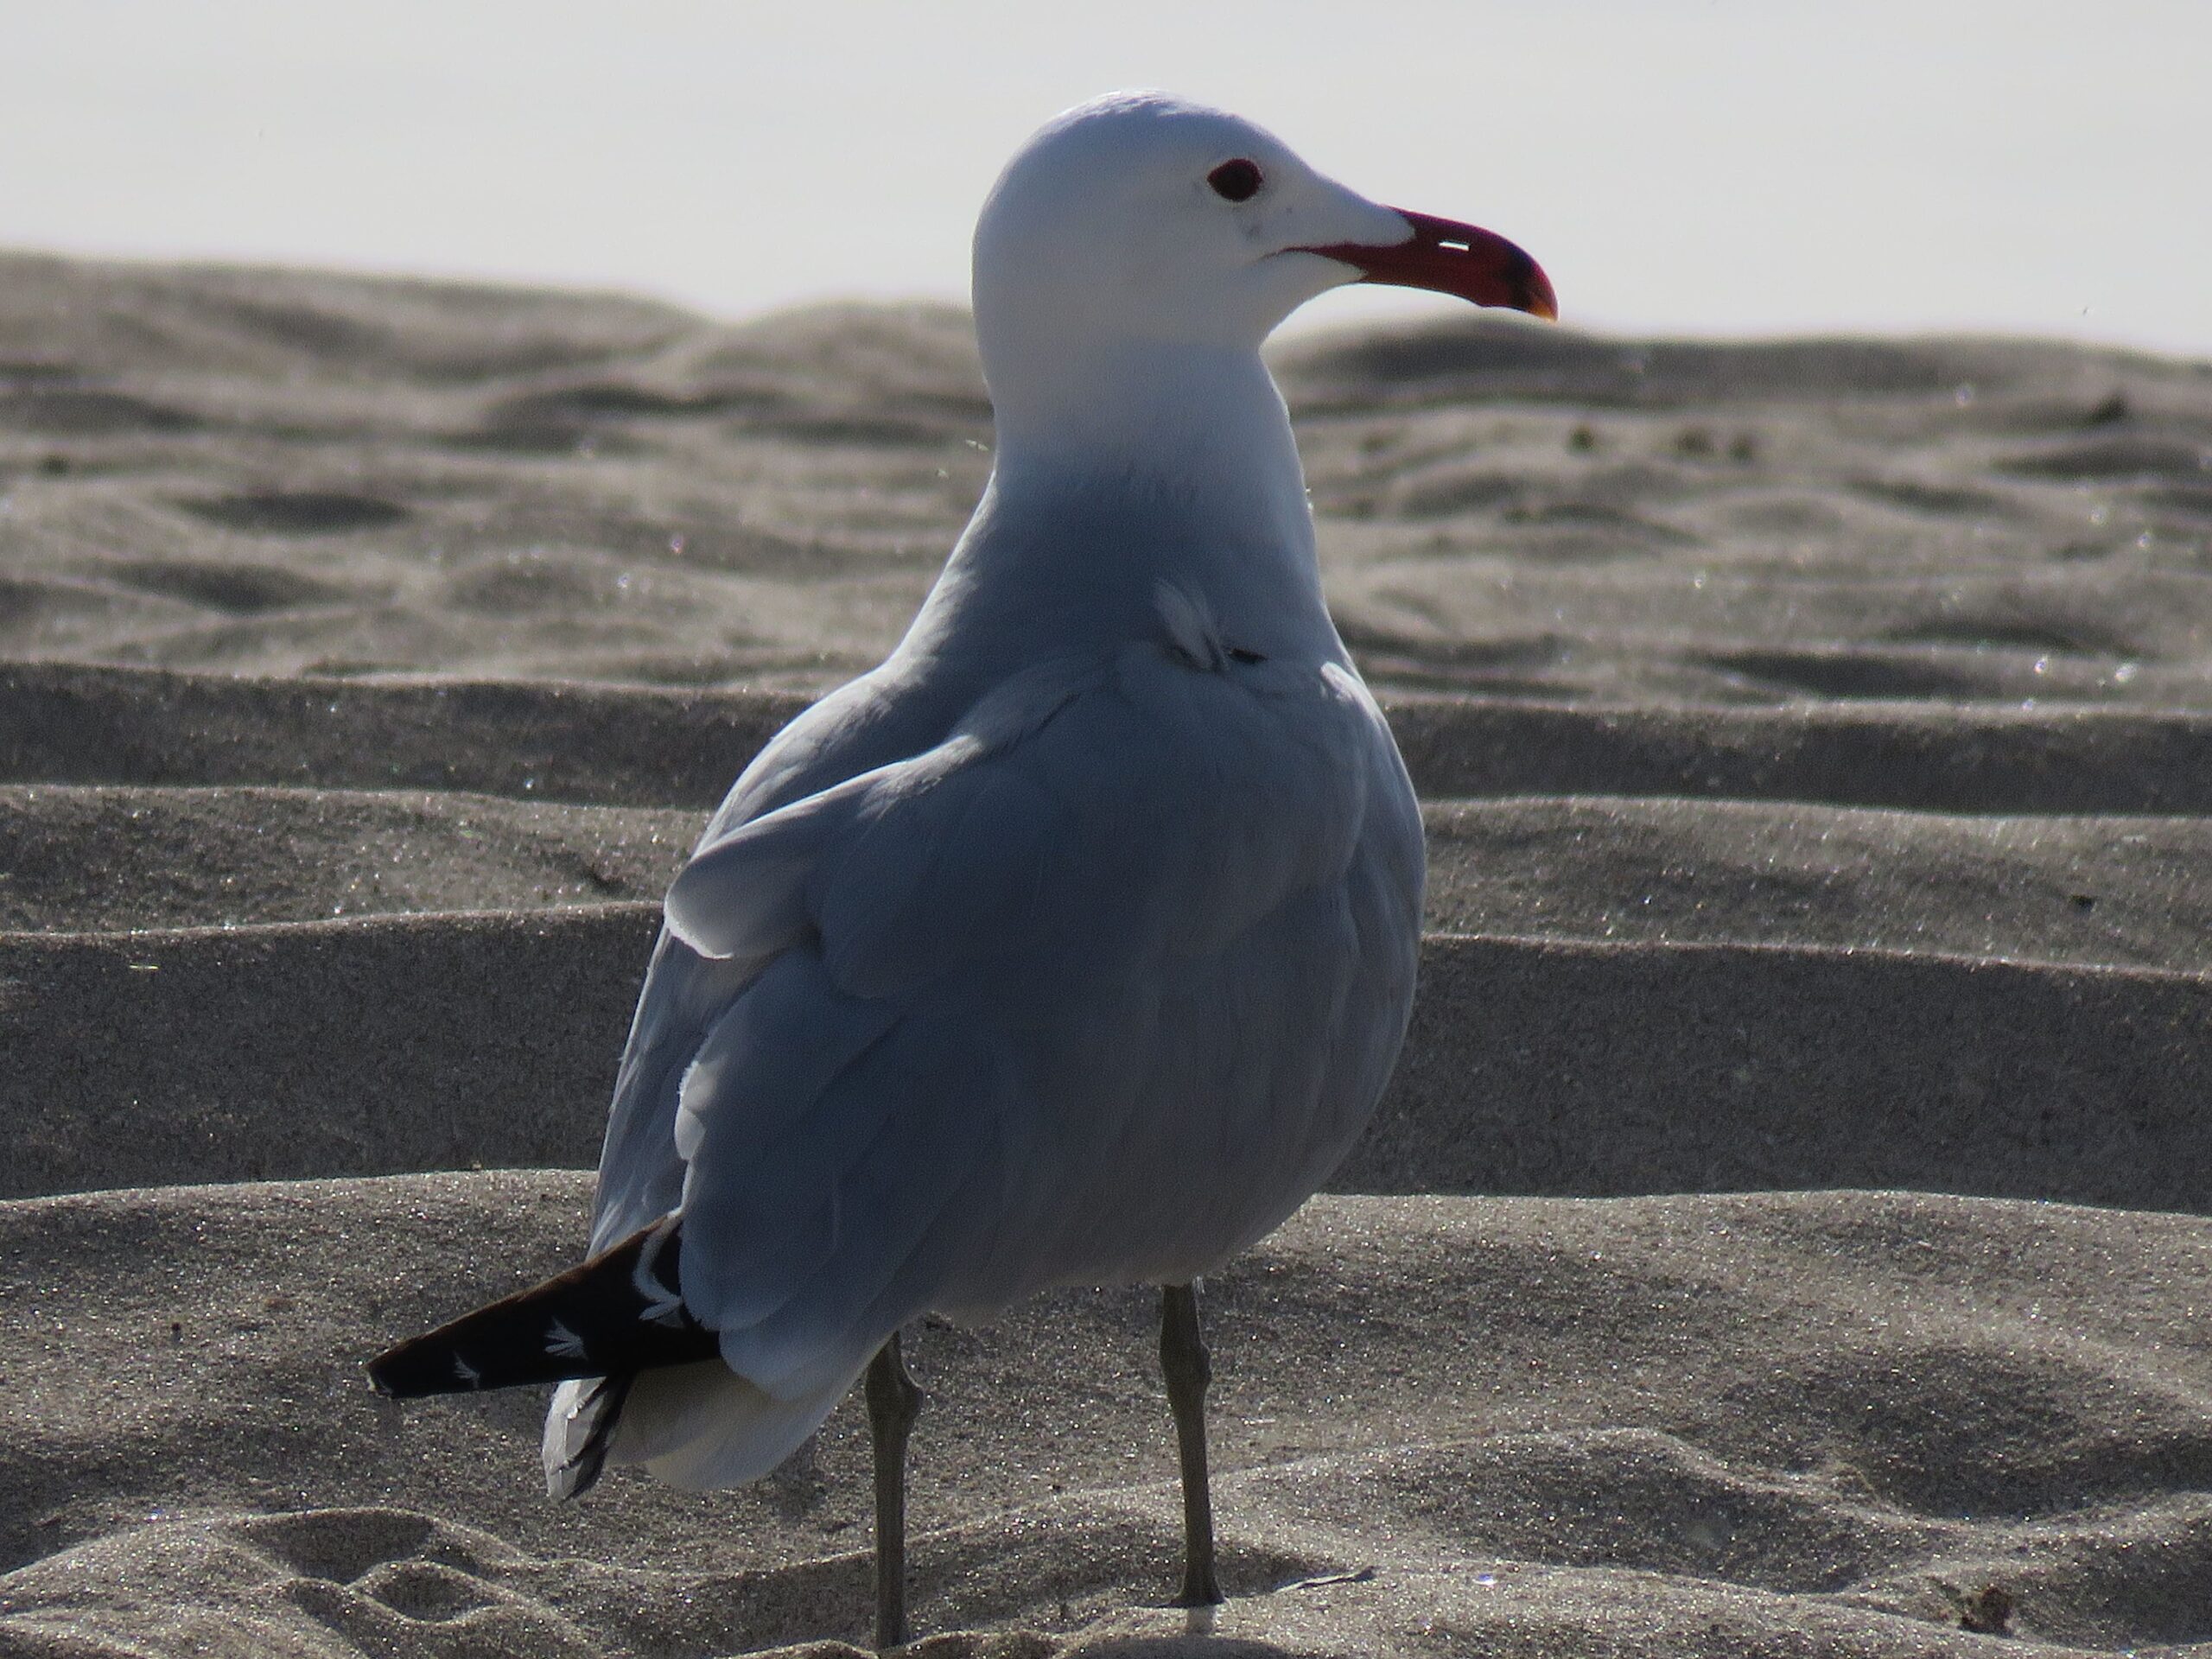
{"x":1678,"y":166}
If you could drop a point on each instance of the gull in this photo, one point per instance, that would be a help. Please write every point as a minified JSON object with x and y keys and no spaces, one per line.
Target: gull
{"x":1073,"y":944}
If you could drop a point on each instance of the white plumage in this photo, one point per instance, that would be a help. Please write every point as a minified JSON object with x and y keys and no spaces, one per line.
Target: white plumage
{"x":1075,"y":944}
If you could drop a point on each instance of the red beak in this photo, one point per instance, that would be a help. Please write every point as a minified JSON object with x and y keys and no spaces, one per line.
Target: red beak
{"x":1449,"y":258}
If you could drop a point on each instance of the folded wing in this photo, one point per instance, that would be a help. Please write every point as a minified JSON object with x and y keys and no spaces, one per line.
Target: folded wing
{"x":1098,"y":986}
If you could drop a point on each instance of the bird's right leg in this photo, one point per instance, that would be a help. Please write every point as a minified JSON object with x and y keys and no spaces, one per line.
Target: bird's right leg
{"x":893,"y":1402}
{"x":1188,"y":1367}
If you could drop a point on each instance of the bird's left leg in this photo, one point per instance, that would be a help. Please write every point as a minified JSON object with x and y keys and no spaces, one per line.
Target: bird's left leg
{"x":893,"y":1402}
{"x":1188,"y":1367}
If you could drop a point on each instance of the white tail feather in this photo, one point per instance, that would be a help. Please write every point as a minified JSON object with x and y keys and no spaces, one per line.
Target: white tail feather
{"x":702,"y":1426}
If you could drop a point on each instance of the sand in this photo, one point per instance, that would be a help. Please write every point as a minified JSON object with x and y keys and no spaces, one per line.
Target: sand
{"x":1787,"y":1230}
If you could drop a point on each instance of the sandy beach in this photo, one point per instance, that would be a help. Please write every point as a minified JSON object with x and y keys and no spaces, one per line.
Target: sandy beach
{"x":1787,"y":1232}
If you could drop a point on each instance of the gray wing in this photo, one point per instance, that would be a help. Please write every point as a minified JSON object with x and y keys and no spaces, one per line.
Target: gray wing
{"x":875,"y":719}
{"x":1099,"y":987}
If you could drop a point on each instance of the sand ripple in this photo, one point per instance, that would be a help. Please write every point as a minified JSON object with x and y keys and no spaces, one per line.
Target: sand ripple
{"x":1688,"y":1424}
{"x":1816,"y":748}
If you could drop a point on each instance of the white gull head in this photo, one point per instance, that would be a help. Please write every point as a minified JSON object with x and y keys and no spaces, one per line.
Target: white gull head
{"x":1139,"y":236}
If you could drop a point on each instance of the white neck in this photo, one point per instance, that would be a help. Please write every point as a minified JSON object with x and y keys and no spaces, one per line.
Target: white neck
{"x":1117,"y":469}
{"x":1201,"y":424}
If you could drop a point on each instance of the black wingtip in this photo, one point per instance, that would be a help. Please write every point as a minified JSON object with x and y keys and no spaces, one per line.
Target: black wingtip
{"x":620,"y":1312}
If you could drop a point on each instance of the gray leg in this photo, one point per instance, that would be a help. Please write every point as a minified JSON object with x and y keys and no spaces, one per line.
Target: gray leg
{"x":893,"y":1402}
{"x":1184,"y":1361}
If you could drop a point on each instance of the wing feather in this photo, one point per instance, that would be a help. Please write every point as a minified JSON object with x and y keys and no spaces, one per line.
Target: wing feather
{"x":1084,"y":989}
{"x":1104,"y":920}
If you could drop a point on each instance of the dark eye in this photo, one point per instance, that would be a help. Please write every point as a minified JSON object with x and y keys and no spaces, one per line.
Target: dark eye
{"x":1236,"y":181}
